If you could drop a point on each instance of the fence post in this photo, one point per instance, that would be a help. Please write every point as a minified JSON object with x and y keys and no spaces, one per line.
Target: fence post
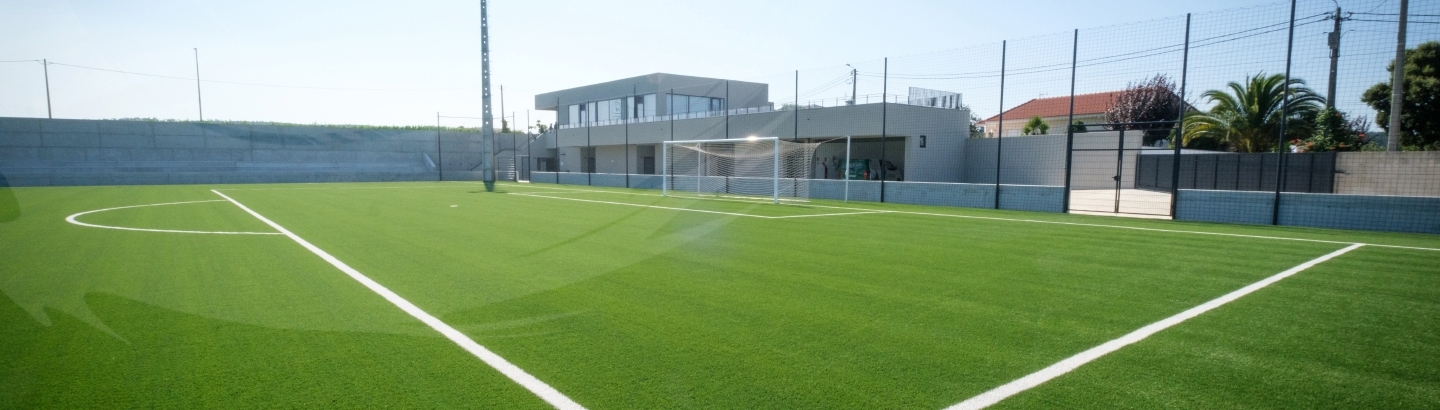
{"x":1178,"y":138}
{"x":796,"y":108}
{"x":1000,"y":130}
{"x":884,"y":105}
{"x":1280,"y":145}
{"x":628,"y":112}
{"x":1070,"y":129}
{"x":585,"y":161}
{"x":439,"y":150}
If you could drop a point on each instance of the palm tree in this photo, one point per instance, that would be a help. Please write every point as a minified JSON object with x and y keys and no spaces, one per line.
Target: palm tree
{"x":1249,"y":119}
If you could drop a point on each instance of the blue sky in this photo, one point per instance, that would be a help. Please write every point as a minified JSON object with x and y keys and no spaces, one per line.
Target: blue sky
{"x":398,"y":63}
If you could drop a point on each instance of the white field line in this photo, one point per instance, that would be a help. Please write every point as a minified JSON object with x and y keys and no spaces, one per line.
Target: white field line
{"x":834,"y":214}
{"x":539,"y":388}
{"x":1065,"y":366}
{"x":339,"y":187}
{"x":71,"y":219}
{"x":755,"y":201}
{"x":693,"y":210}
{"x":1236,"y":235}
{"x":639,"y":205}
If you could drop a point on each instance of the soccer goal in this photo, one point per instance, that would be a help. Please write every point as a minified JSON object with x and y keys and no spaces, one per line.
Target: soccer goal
{"x":749,"y":167}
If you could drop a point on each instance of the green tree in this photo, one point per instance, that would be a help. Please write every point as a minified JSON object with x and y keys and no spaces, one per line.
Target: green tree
{"x":1420,"y":112}
{"x":1079,"y":127}
{"x":1036,"y":126}
{"x":1334,"y":132}
{"x":504,"y":126}
{"x":1151,"y":100}
{"x":1247,"y":119}
{"x":975,"y":130}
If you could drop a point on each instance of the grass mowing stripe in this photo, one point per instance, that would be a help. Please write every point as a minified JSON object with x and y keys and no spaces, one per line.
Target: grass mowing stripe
{"x":1065,"y":366}
{"x":544,"y":391}
{"x":71,"y":219}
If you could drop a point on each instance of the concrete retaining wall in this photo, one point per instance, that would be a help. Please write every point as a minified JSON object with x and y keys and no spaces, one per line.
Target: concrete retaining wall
{"x":1362,"y":212}
{"x":868,"y":191}
{"x":941,"y":194}
{"x":1012,"y":197}
{"x":574,"y":178}
{"x":1036,"y":198}
{"x":610,"y":180}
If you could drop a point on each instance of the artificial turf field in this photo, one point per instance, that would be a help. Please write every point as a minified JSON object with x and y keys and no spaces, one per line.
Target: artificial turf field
{"x":620,"y":299}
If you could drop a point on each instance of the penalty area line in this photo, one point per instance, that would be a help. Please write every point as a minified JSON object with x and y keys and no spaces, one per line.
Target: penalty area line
{"x":1073,"y":362}
{"x":519,"y":376}
{"x":532,"y":195}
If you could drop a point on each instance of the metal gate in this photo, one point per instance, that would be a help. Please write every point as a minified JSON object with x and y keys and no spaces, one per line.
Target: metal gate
{"x":523,"y":169}
{"x":1105,"y":164}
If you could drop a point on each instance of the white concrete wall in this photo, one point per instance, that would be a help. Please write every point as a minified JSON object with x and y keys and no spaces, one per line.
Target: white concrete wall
{"x":1388,"y":173}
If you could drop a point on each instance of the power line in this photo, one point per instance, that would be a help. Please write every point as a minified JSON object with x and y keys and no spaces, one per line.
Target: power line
{"x":1397,"y":21}
{"x":20,"y":61}
{"x":1099,"y":60}
{"x":258,"y":84}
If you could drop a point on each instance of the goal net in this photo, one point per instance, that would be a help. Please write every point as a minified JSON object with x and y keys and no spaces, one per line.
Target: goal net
{"x":751,"y":167}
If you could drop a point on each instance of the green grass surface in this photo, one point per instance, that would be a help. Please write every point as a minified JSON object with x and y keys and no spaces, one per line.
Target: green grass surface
{"x":623,"y":307}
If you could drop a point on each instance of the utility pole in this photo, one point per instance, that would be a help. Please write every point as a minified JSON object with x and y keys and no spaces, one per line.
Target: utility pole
{"x":1397,"y":82}
{"x":854,"y":85}
{"x":1334,"y":58}
{"x":49,"y":113}
{"x":198,"y":100}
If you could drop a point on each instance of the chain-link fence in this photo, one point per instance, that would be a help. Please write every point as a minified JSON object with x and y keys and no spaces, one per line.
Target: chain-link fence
{"x":1256,"y":115}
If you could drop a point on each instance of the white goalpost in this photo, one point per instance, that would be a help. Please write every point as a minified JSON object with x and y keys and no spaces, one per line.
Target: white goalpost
{"x":749,"y":167}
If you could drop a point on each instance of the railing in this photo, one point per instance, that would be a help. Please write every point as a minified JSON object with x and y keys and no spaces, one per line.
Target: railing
{"x":808,"y":105}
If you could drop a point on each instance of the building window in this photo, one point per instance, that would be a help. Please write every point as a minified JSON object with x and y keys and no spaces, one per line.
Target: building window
{"x":641,"y":106}
{"x":922,"y":141}
{"x":686,"y":104}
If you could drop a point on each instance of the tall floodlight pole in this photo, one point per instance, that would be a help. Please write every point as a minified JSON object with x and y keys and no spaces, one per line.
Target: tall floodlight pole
{"x":1178,"y":138}
{"x":48,"y":112}
{"x":1000,"y":125}
{"x":1281,"y":147}
{"x":487,"y":131}
{"x":200,"y":102}
{"x":1397,"y":81}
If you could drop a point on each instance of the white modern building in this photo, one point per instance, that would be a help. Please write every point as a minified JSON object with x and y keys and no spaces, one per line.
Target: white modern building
{"x":616,"y":127}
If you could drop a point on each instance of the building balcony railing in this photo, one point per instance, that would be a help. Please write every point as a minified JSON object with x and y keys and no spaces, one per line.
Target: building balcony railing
{"x":808,"y":105}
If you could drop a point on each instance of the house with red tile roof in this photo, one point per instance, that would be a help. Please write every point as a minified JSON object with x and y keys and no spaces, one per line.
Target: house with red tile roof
{"x":1054,"y":111}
